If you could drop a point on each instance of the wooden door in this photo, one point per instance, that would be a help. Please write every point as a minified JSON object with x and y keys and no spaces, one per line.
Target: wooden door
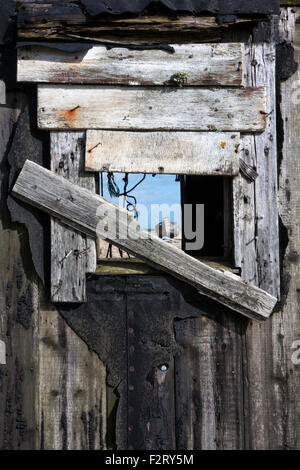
{"x":174,"y":361}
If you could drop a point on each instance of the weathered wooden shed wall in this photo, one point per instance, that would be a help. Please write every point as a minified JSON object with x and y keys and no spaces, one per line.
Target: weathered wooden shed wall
{"x":235,"y":386}
{"x":52,"y":387}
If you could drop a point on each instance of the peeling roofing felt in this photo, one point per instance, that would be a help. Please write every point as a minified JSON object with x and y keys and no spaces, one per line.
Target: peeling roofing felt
{"x":117,"y":7}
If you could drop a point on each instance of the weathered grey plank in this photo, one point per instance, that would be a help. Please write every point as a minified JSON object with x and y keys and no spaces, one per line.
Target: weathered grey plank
{"x":256,"y":231}
{"x":208,"y":383}
{"x":92,"y":214}
{"x":72,"y":253}
{"x":272,"y":371}
{"x":244,"y":222}
{"x":255,"y":203}
{"x":71,"y":387}
{"x":161,"y":425}
{"x":36,"y":14}
{"x":199,"y":64}
{"x":18,"y":312}
{"x":266,"y":185}
{"x":69,"y":22}
{"x":206,"y":153}
{"x":96,"y":107}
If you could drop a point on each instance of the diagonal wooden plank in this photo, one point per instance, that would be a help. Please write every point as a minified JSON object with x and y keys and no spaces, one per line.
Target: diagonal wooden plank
{"x":93,"y":215}
{"x":204,"y":153}
{"x":195,"y":64}
{"x":152,"y":108}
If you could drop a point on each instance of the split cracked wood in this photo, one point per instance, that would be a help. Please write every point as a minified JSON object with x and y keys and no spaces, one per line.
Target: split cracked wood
{"x":156,"y":108}
{"x":203,"y":153}
{"x":72,"y":253}
{"x":256,"y":222}
{"x":198,"y":64}
{"x":93,"y":215}
{"x":50,"y":21}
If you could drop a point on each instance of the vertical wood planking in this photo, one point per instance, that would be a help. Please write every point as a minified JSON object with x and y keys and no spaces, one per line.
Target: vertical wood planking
{"x":258,"y":342}
{"x":286,"y":326}
{"x":18,"y":313}
{"x":72,"y":253}
{"x":150,"y":377}
{"x":72,"y":388}
{"x":263,"y":58}
{"x":161,"y":427}
{"x":272,"y":376}
{"x":244,"y":205}
{"x":208,"y":382}
{"x":256,"y":202}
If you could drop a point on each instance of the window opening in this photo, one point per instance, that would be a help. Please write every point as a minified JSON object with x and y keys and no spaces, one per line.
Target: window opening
{"x":152,"y":199}
{"x":215,"y":193}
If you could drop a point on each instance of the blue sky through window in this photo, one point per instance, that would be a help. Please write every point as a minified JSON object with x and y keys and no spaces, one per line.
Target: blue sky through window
{"x":160,"y":189}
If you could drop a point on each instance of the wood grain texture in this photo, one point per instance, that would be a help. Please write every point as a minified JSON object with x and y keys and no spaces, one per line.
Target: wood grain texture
{"x":202,"y":64}
{"x":92,"y":214}
{"x":207,"y":153}
{"x":266,"y":185}
{"x":72,"y":387}
{"x":72,"y":253}
{"x":255,"y":203}
{"x":67,"y":22}
{"x":208,"y":383}
{"x":18,"y":312}
{"x":244,"y":222}
{"x":271,"y":372}
{"x":160,"y":432}
{"x":206,"y":109}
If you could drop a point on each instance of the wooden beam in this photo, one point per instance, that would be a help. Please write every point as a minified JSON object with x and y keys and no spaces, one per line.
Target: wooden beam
{"x":62,"y":21}
{"x":71,"y":386}
{"x":114,"y":266}
{"x":256,"y":229}
{"x":204,"y":153}
{"x":199,"y":64}
{"x":159,"y":108}
{"x":93,"y":215}
{"x":73,"y":254}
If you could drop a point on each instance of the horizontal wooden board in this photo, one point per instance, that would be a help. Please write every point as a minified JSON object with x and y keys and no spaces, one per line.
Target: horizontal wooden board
{"x":200,"y":64}
{"x":157,"y":108}
{"x":95,"y":216}
{"x":142,"y":30}
{"x":203,"y":153}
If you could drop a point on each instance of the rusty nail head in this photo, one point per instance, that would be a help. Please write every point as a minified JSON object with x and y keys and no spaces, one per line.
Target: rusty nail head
{"x":130,"y":313}
{"x":130,"y":428}
{"x":131,"y":388}
{"x":131,"y":369}
{"x":130,"y":330}
{"x":131,"y":349}
{"x":131,"y":409}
